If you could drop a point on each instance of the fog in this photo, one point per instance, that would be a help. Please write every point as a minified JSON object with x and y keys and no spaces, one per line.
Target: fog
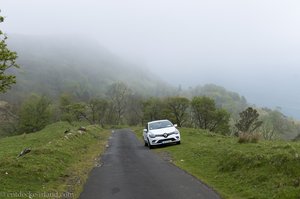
{"x":251,"y":47}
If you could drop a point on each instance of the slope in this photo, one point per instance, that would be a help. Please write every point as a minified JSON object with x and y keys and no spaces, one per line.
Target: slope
{"x":267,"y":169}
{"x":56,"y":64}
{"x":57,"y":164}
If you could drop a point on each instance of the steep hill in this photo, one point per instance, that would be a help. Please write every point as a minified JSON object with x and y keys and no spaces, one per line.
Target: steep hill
{"x":53,"y":65}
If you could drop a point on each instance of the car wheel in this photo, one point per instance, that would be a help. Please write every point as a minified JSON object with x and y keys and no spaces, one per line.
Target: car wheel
{"x":178,"y":142}
{"x":146,"y":144}
{"x":149,"y":145}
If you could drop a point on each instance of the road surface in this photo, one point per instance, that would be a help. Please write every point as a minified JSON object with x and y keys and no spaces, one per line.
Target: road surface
{"x":131,"y":171}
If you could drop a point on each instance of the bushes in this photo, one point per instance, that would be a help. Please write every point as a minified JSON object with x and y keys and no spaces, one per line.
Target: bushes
{"x":206,"y":115}
{"x":248,"y":137}
{"x":35,"y":114}
{"x":247,"y":126}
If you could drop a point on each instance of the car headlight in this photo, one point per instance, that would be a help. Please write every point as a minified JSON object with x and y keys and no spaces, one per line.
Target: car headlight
{"x":152,"y":135}
{"x":176,"y":132}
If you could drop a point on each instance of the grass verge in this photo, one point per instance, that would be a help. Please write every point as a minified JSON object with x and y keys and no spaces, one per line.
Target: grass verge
{"x":267,"y":169}
{"x":57,"y":166}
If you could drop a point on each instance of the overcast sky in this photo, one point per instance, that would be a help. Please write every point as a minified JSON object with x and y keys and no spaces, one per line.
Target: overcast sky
{"x":248,"y":46}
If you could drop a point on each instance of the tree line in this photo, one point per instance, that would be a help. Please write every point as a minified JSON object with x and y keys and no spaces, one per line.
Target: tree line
{"x":122,"y":106}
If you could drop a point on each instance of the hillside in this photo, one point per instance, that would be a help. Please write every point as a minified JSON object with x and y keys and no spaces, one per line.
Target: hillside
{"x":57,"y":164}
{"x":80,"y":66}
{"x":57,"y":65}
{"x":231,"y":101}
{"x":267,"y":169}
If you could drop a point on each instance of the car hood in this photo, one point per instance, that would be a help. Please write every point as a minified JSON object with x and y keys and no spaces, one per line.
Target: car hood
{"x":163,"y":130}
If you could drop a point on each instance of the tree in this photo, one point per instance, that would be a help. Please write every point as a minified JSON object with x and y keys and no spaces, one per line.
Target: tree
{"x":78,"y":112}
{"x":134,"y":110}
{"x":249,"y":121}
{"x":118,"y":94}
{"x":220,"y":122}
{"x":73,"y":111}
{"x":35,"y":114}
{"x":268,"y":131}
{"x":7,"y":60}
{"x":65,"y":102}
{"x":207,"y":116}
{"x":178,"y":108}
{"x":277,"y":125}
{"x":8,"y":119}
{"x":202,"y":108}
{"x":153,"y":109}
{"x":98,"y":108}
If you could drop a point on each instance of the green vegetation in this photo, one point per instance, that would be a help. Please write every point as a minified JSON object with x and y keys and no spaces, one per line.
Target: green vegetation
{"x":178,"y":109}
{"x":277,"y":125}
{"x":249,"y":121}
{"x":268,"y":169}
{"x":34,"y":114}
{"x":7,"y":60}
{"x":58,"y":162}
{"x":228,"y":100}
{"x":247,"y":126}
{"x":80,"y":80}
{"x":207,"y":116}
{"x":80,"y":67}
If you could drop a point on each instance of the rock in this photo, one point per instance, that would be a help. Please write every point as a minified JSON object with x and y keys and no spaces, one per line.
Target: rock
{"x":82,"y":128}
{"x":67,"y":131}
{"x":25,"y":151}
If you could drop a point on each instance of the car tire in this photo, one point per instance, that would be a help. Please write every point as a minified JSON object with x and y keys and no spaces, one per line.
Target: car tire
{"x":146,"y":144}
{"x":149,"y":145}
{"x":178,"y":142}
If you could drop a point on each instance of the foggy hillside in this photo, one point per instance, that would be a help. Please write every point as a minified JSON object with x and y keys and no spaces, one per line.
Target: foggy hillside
{"x":58,"y":65}
{"x":193,"y":42}
{"x":79,"y":66}
{"x":54,"y":65}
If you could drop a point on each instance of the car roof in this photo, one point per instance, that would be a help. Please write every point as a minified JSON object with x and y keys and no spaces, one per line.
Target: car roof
{"x":157,"y":121}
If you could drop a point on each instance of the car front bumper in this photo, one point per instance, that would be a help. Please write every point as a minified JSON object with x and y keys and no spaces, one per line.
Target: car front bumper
{"x":164,"y":140}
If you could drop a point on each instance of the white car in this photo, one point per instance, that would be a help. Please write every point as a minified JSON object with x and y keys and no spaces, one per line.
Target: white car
{"x":160,"y":132}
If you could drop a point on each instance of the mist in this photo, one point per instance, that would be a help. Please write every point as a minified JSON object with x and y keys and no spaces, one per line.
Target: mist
{"x":251,"y":47}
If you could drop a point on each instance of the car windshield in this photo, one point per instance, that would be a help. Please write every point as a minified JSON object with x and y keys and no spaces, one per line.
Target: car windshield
{"x":160,"y":125}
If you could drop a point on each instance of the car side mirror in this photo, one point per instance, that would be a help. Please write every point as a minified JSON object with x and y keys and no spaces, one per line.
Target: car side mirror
{"x":175,"y":125}
{"x":145,"y":130}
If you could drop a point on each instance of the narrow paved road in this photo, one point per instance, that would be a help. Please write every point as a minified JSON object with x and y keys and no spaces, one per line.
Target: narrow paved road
{"x":131,"y":171}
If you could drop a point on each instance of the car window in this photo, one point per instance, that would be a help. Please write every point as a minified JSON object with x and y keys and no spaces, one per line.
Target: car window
{"x":160,"y":125}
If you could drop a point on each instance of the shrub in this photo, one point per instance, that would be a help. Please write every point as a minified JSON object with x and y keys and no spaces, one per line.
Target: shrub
{"x":35,"y":114}
{"x":247,"y":137}
{"x":243,"y":138}
{"x":255,"y":137}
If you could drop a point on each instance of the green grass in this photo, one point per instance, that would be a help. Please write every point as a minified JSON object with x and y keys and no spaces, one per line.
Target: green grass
{"x":254,"y":170}
{"x":58,"y":163}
